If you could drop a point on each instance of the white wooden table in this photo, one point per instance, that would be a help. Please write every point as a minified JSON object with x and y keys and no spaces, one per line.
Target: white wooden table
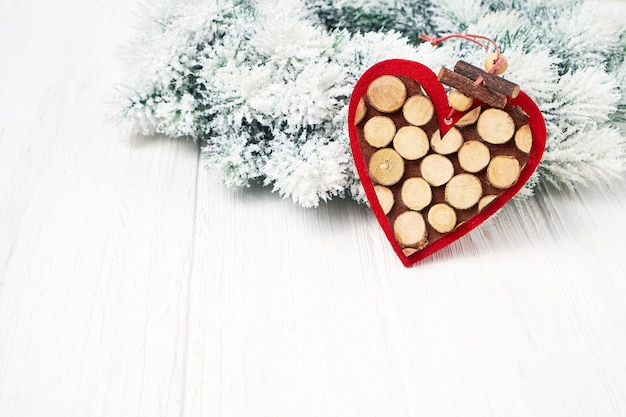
{"x":132,"y":284}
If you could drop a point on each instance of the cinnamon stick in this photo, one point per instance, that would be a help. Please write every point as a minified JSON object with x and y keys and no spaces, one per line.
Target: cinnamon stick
{"x":467,"y":87}
{"x":491,"y":81}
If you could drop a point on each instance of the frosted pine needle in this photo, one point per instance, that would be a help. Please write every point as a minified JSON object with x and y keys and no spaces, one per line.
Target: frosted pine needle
{"x":264,"y":85}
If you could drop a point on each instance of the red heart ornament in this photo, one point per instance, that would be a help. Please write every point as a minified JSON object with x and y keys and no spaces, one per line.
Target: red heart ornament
{"x":425,"y":191}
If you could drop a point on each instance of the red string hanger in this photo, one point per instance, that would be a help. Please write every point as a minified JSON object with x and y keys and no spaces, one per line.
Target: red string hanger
{"x":495,"y":63}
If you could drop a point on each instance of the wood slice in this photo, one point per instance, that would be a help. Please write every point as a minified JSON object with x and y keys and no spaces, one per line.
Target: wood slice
{"x":416,"y":193}
{"x":442,"y":218}
{"x":459,"y":101}
{"x":469,"y":118}
{"x":379,"y":131}
{"x":495,"y":126}
{"x":474,"y":156}
{"x":450,"y":143}
{"x":385,"y":198}
{"x":387,"y":94}
{"x":524,"y":139}
{"x":411,"y":142}
{"x":485,"y":201}
{"x":418,"y":110}
{"x":410,"y":229}
{"x":463,"y":191}
{"x":361,"y":111}
{"x":503,"y":171}
{"x":520,"y":112}
{"x":386,"y":166}
{"x":436,"y":169}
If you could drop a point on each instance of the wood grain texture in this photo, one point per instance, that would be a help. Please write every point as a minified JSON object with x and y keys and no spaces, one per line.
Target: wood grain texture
{"x":96,"y":241}
{"x":132,"y":284}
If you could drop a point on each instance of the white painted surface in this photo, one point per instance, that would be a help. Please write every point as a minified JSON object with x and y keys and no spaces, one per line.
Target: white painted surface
{"x":133,"y":285}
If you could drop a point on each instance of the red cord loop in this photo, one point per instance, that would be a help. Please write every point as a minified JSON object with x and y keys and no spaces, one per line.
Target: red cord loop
{"x":500,"y":60}
{"x":471,"y":37}
{"x":474,"y":38}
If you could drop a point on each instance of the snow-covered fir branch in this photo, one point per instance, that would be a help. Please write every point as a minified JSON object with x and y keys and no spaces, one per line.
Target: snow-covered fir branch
{"x":264,"y":85}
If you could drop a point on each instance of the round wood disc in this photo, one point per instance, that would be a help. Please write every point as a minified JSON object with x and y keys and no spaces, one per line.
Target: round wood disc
{"x":524,"y":139}
{"x":469,"y":118}
{"x":474,"y":156}
{"x":416,"y":193}
{"x":450,"y":143}
{"x":385,"y":198}
{"x":386,"y":166}
{"x":436,"y":169}
{"x":485,"y":201}
{"x":411,"y":142}
{"x":442,"y":218}
{"x":361,"y":111}
{"x":409,"y":228}
{"x":503,"y":171}
{"x":495,"y":126}
{"x":463,"y":191}
{"x":418,"y":110}
{"x":387,"y":93}
{"x":379,"y":131}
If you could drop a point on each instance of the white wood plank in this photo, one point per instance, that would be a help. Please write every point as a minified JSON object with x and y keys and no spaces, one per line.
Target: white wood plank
{"x":297,"y":312}
{"x":308,"y":313}
{"x":124,"y":291}
{"x":97,"y":229}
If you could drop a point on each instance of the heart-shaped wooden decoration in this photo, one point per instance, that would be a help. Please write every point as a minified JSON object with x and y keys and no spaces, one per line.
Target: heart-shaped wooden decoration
{"x":432,"y":174}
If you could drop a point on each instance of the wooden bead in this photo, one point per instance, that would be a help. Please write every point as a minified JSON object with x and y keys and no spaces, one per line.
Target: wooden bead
{"x":410,"y":228}
{"x":463,"y":191}
{"x":418,"y":110}
{"x":469,"y":118}
{"x":386,"y":166}
{"x":459,"y":101}
{"x":436,"y":169}
{"x":416,"y":193}
{"x":385,"y":198}
{"x":379,"y":131}
{"x":491,"y":60}
{"x":450,"y":143}
{"x":524,"y":139}
{"x":495,"y":126}
{"x":474,"y":156}
{"x":411,"y":142}
{"x":387,"y":93}
{"x":442,"y":218}
{"x":361,"y":111}
{"x":503,"y":171}
{"x":485,"y":201}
